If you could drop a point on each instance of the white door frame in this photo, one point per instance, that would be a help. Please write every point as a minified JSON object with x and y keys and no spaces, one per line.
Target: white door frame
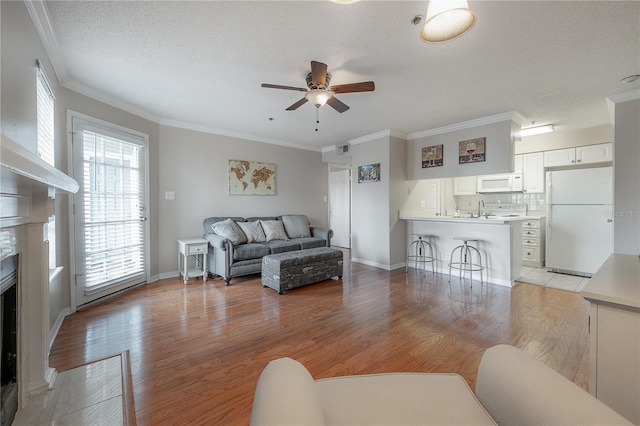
{"x":72,"y":249}
{"x":334,"y":167}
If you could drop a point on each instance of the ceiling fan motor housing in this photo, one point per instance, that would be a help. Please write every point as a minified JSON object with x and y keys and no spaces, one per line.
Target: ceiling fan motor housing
{"x":312,"y":84}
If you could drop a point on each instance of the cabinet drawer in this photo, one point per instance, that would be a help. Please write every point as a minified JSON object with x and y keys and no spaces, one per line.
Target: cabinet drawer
{"x":530,"y":232}
{"x":530,"y":241}
{"x":197,"y":249}
{"x":531,"y":253}
{"x":531,"y":223}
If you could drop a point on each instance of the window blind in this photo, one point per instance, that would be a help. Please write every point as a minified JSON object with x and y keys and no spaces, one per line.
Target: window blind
{"x":45,"y":118}
{"x":113,"y":205}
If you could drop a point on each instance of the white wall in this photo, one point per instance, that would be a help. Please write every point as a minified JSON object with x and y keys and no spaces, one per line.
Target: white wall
{"x":565,"y":139}
{"x":499,"y":152}
{"x":398,"y":195}
{"x":194,"y":165}
{"x":370,"y":205}
{"x":626,"y":222}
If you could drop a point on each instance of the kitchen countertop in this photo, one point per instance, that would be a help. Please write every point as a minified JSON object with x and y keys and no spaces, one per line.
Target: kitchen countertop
{"x":616,"y":282}
{"x":492,"y":220}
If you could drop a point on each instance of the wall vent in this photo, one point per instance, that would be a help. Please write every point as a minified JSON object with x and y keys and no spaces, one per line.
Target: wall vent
{"x":342,"y":149}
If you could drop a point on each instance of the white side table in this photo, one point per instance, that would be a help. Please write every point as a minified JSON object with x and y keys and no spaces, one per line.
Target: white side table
{"x":198,"y":248}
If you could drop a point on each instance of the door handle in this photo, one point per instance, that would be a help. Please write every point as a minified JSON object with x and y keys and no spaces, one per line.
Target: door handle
{"x":609,"y":220}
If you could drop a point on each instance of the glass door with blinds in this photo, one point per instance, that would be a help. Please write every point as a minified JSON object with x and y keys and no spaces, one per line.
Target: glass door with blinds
{"x":109,"y":210}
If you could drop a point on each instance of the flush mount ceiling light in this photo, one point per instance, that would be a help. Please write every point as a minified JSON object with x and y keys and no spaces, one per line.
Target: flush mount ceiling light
{"x":447,"y":20}
{"x":630,"y":79}
{"x":538,"y":130}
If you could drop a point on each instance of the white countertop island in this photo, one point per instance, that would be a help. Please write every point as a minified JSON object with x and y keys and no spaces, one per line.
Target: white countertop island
{"x":500,"y":242}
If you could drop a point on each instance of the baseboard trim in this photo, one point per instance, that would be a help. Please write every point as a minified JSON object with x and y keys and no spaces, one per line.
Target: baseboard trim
{"x":166,"y":275}
{"x":56,"y":327}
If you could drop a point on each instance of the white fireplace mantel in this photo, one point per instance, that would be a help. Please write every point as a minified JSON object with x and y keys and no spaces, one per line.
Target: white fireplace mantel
{"x":26,"y":183}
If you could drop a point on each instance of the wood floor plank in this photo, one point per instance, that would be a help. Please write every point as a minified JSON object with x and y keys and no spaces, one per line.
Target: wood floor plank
{"x":196,"y":351}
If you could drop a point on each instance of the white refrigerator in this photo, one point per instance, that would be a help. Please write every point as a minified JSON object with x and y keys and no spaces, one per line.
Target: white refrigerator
{"x":579,"y":219}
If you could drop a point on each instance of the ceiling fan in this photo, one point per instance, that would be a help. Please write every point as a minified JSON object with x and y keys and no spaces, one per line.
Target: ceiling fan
{"x":319,"y":92}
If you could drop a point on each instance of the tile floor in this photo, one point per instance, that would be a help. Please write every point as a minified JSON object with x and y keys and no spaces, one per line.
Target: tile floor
{"x":88,"y":395}
{"x":540,"y":276}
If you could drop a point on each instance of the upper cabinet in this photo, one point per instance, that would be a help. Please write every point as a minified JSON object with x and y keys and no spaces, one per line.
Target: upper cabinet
{"x":594,"y":153}
{"x":532,"y":172}
{"x":465,"y":185}
{"x":580,"y":155}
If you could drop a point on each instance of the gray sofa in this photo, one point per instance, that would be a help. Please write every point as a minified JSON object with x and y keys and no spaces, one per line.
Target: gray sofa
{"x":233,"y":254}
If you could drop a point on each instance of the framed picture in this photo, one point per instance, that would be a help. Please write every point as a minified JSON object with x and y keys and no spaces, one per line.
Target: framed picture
{"x":369,"y":173}
{"x":251,"y":178}
{"x":432,"y":156}
{"x":472,"y":151}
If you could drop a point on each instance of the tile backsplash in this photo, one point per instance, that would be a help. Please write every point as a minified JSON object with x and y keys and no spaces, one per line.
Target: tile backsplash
{"x":469,"y":203}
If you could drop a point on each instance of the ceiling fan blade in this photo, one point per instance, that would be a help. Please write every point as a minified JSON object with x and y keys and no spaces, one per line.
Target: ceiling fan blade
{"x":297,"y":104}
{"x":365,"y":86}
{"x":277,"y":86}
{"x":336,"y":104}
{"x":318,"y":73}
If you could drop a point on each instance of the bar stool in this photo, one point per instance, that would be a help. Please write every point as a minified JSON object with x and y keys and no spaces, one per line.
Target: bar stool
{"x":466,"y":262}
{"x":417,"y":253}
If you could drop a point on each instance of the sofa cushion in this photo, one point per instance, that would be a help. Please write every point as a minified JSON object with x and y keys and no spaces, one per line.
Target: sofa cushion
{"x":296,"y":225}
{"x":400,"y":399}
{"x":281,"y":246}
{"x":229,"y":229}
{"x":253,"y":231}
{"x":250,"y":251}
{"x":311,"y":242}
{"x":273,"y":230}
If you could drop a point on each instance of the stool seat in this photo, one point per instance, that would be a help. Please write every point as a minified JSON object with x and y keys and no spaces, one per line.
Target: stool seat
{"x":416,"y":252}
{"x":466,"y":260}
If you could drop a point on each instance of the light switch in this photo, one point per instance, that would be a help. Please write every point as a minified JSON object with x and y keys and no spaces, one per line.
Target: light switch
{"x":423,"y":203}
{"x":169,"y":195}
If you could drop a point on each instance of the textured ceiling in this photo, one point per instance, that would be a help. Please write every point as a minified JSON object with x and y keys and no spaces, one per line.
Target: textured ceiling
{"x":200,"y":64}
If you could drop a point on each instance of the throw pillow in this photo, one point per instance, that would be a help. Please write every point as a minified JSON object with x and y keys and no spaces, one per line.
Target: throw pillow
{"x":273,"y":230}
{"x":228,"y":229}
{"x":296,"y":225}
{"x":253,"y":231}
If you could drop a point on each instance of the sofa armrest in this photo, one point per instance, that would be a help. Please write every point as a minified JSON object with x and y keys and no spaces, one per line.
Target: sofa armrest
{"x":516,"y":389}
{"x":286,"y":394}
{"x":320,"y":232}
{"x":216,"y":241}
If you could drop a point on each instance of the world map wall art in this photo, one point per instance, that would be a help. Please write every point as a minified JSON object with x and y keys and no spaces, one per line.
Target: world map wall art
{"x":251,"y":178}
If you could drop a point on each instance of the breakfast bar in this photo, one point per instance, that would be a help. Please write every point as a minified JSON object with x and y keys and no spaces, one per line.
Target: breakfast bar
{"x":499,"y":242}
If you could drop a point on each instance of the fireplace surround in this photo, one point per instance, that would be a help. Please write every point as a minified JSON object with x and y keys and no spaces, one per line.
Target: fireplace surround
{"x":27,"y":185}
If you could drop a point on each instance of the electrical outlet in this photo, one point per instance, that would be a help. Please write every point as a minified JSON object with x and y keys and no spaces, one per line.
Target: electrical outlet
{"x":169,"y":195}
{"x":423,"y":203}
{"x":448,"y":256}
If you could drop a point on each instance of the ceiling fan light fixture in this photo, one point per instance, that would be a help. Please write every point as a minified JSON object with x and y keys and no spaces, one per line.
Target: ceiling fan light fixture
{"x":318,"y":97}
{"x":447,"y":20}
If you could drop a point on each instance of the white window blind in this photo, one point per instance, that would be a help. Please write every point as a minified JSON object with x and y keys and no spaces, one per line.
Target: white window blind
{"x":113,"y":205}
{"x":45,"y":118}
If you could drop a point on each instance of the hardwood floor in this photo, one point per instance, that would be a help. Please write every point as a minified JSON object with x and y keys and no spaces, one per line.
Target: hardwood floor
{"x":196,"y":351}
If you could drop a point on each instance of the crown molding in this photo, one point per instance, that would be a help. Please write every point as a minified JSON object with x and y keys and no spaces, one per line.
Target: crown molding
{"x":245,"y":136}
{"x":624,"y":97}
{"x":377,"y":135}
{"x":498,"y":118}
{"x":40,"y":17}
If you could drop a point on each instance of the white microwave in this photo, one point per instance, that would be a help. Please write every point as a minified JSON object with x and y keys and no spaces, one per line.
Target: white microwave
{"x":511,"y":182}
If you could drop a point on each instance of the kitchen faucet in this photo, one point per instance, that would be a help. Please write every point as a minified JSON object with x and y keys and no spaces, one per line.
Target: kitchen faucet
{"x":481,"y":201}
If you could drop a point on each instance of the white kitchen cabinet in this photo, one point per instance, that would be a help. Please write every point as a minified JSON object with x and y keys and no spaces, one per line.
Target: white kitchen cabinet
{"x":518,"y":163}
{"x":533,"y":240}
{"x":533,"y":173}
{"x":588,"y":154}
{"x":614,"y":327}
{"x":594,"y":153}
{"x":465,"y":185}
{"x":560,"y":157}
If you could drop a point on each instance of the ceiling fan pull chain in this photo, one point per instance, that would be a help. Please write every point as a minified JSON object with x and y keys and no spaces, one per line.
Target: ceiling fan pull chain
{"x":317,"y":118}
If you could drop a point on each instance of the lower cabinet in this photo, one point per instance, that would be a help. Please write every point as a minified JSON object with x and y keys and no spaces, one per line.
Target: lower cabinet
{"x":533,"y":240}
